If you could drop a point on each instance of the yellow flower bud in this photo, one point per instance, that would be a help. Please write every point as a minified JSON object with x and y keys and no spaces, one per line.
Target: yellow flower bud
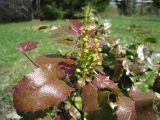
{"x":99,"y":49}
{"x":99,"y":63}
{"x":86,"y":51}
{"x":97,"y":44}
{"x":78,"y":70}
{"x":85,"y":39}
{"x":95,"y":40}
{"x":94,"y":57}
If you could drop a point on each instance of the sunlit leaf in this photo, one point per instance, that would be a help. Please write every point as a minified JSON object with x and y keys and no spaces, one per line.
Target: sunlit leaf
{"x":27,"y":46}
{"x":148,"y":78}
{"x":75,"y":24}
{"x":90,"y":98}
{"x":64,"y":66}
{"x":39,"y":90}
{"x":102,"y":81}
{"x":126,"y":109}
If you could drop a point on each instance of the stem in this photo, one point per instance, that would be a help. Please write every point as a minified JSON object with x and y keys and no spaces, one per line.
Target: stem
{"x":80,"y":111}
{"x":33,"y":62}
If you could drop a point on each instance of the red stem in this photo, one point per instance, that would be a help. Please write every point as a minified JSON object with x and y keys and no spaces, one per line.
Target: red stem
{"x":30,"y":59}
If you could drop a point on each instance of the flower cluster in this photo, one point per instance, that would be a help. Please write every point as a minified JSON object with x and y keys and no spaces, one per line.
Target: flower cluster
{"x":89,"y":56}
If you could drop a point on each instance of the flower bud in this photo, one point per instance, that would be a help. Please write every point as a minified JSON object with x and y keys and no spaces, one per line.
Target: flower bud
{"x":85,"y":39}
{"x":95,"y":40}
{"x":99,"y":49}
{"x":78,"y":70}
{"x":99,"y":63}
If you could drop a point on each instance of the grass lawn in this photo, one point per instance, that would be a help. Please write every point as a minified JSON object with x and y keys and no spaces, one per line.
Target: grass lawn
{"x":13,"y":65}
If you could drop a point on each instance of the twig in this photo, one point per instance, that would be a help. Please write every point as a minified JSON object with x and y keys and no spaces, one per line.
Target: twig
{"x":80,"y":111}
{"x":33,"y":62}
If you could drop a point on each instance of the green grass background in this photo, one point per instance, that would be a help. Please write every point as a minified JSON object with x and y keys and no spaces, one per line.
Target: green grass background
{"x":14,"y":65}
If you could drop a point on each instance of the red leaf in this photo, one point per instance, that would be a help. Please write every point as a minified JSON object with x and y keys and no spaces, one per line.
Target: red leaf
{"x":27,"y":46}
{"x":101,"y":82}
{"x":64,"y":66}
{"x":146,"y":113}
{"x":144,"y":103}
{"x":71,"y":32}
{"x":75,"y":24}
{"x":39,"y":90}
{"x":90,"y":98}
{"x":126,"y":109}
{"x":66,"y":42}
{"x":58,"y":118}
{"x":142,"y":98}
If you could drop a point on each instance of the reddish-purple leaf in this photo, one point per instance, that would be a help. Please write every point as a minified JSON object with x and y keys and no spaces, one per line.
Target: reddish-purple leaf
{"x":58,"y":118}
{"x":64,"y":67}
{"x":146,"y":113}
{"x":27,"y":46}
{"x":126,"y":109}
{"x":142,"y":98}
{"x":144,"y":103}
{"x":66,"y":42}
{"x":76,"y":25}
{"x":39,"y":90}
{"x":102,"y":81}
{"x":71,"y":32}
{"x":90,"y":98}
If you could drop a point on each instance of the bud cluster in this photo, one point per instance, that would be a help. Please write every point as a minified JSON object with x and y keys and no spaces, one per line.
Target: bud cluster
{"x":88,"y":58}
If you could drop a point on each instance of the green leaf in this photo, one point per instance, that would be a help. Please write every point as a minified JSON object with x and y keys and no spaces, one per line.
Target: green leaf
{"x":148,"y":78}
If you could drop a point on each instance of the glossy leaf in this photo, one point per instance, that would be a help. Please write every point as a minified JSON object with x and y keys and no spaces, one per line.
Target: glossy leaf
{"x":39,"y":90}
{"x":102,"y":81}
{"x":126,"y":109}
{"x":144,"y":102}
{"x":75,"y":24}
{"x":90,"y":98}
{"x":27,"y":46}
{"x":64,"y":66}
{"x":142,"y":98}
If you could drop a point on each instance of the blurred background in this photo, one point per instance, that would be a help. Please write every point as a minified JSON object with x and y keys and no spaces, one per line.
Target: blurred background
{"x":18,"y":10}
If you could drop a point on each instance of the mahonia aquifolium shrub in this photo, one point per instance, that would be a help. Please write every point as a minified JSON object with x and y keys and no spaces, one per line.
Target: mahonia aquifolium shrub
{"x":101,"y":80}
